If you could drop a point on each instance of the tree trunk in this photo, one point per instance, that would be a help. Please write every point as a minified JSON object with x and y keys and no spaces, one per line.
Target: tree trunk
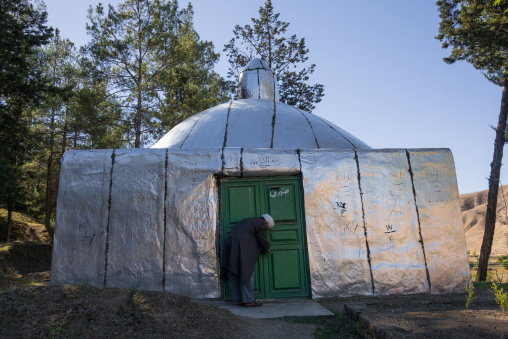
{"x":9,"y":222}
{"x":137,"y":124}
{"x":64,"y":138}
{"x":137,"y":142}
{"x":495,"y":172}
{"x":49,"y":176}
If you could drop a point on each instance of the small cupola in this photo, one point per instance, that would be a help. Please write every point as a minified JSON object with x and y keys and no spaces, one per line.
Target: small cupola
{"x":257,"y":120}
{"x":257,"y":81}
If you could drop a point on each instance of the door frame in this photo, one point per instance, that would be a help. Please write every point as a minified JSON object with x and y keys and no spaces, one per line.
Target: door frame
{"x":301,"y":203}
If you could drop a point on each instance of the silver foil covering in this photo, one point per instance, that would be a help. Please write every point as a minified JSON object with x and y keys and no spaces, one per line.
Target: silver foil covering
{"x":79,"y":241}
{"x":257,"y":81}
{"x":136,"y":214}
{"x":377,"y":221}
{"x":252,"y":123}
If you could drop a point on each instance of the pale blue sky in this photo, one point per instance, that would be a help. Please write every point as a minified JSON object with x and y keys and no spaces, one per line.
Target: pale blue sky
{"x":384,"y":77}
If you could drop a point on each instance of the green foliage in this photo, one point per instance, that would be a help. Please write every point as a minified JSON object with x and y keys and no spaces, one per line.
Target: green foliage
{"x":158,"y":69}
{"x":500,"y":295}
{"x":22,"y":30}
{"x":191,"y":85}
{"x":131,"y":293}
{"x":477,"y":32}
{"x":503,"y":260}
{"x":470,"y":296}
{"x":267,"y":40}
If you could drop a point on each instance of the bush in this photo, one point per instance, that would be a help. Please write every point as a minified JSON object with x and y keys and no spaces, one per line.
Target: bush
{"x":503,"y":260}
{"x":500,"y":295}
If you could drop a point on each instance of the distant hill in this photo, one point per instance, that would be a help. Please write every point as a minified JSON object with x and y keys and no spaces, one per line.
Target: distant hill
{"x":474,"y":208}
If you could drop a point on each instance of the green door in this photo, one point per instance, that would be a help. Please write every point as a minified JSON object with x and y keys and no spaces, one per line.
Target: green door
{"x":283,"y":272}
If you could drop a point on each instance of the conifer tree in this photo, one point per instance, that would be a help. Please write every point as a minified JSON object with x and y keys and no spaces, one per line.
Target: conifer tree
{"x":22,"y":30}
{"x":477,"y":32}
{"x":59,"y":67}
{"x":285,"y":55}
{"x":143,"y":46}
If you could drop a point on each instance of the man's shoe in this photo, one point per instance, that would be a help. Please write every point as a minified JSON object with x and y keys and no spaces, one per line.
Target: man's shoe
{"x":252,"y":304}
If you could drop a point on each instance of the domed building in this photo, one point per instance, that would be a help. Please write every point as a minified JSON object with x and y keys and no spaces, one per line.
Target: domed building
{"x":350,"y":220}
{"x":258,"y":120}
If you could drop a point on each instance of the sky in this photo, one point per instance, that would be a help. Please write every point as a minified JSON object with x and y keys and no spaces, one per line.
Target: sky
{"x":382,"y":69}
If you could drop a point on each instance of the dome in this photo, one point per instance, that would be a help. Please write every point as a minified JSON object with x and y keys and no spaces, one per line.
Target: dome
{"x":257,"y":120}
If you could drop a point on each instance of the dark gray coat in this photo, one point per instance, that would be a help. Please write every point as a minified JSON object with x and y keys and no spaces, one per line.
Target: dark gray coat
{"x":242,"y":247}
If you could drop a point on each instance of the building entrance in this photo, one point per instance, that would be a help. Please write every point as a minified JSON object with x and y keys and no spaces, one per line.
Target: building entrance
{"x":282,"y":273}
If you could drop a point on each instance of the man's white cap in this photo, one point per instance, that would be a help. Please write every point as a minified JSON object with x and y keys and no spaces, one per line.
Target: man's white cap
{"x":269,"y":219}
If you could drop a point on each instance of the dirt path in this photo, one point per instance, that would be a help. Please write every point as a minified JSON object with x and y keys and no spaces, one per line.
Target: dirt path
{"x":273,"y":328}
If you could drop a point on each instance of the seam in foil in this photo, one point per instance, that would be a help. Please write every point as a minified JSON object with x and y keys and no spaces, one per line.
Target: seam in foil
{"x":364,"y":226}
{"x":165,"y":222}
{"x":418,"y":218}
{"x":109,"y":219}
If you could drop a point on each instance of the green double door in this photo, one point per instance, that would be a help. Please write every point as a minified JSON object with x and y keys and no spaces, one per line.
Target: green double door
{"x":282,"y":272}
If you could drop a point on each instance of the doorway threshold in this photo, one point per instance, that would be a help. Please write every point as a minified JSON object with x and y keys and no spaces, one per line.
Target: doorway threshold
{"x":275,"y":309}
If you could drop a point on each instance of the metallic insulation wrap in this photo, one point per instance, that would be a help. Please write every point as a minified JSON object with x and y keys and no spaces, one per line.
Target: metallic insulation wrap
{"x":249,"y":124}
{"x":136,"y":223}
{"x":377,"y":221}
{"x":180,"y":132}
{"x":335,"y":236}
{"x":79,"y":242}
{"x":270,"y":162}
{"x":391,"y":223}
{"x":437,"y":198}
{"x":257,"y":81}
{"x":232,"y":164}
{"x":254,"y":123}
{"x":191,"y":213}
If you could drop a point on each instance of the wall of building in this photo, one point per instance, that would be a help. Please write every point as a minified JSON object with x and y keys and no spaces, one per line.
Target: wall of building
{"x":378,"y":221}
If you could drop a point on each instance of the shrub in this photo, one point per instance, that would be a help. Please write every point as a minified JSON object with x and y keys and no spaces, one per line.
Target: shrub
{"x":500,"y":295}
{"x":503,"y":260}
{"x":470,"y":295}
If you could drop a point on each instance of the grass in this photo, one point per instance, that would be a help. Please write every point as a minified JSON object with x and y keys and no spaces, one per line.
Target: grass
{"x":334,"y":326}
{"x":503,"y":260}
{"x":24,"y":227}
{"x":28,"y":251}
{"x":501,"y":295}
{"x":488,"y":285}
{"x":470,"y":296}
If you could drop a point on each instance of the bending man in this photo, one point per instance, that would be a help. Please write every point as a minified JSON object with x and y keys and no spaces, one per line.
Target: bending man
{"x":239,"y":255}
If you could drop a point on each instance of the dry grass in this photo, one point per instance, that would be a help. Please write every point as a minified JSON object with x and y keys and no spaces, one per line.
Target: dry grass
{"x":85,"y":311}
{"x":24,"y":228}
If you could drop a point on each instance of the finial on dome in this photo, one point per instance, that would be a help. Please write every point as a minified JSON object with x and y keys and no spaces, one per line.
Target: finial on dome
{"x":257,"y":81}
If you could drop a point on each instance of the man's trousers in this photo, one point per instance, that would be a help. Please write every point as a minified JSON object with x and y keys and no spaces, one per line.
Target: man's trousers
{"x":239,"y":291}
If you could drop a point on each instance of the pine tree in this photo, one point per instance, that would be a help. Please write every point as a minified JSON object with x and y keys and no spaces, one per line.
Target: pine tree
{"x":22,"y":30}
{"x":96,"y":119}
{"x":76,"y":114}
{"x":144,"y":47}
{"x":192,"y":85}
{"x":477,"y":32}
{"x":267,"y":40}
{"x":59,"y":67}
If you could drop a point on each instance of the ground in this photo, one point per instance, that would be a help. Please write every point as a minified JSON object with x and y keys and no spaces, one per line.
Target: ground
{"x":29,"y":306}
{"x":431,"y":316}
{"x":77,"y":311}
